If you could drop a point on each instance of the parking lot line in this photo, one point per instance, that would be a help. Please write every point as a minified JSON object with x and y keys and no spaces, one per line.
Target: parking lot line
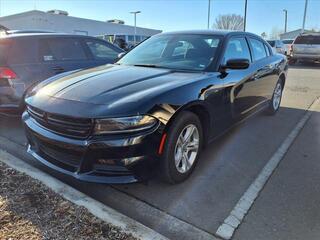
{"x":236,"y":216}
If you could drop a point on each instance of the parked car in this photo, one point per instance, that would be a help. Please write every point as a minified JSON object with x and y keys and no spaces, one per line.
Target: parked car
{"x":277,"y":46}
{"x":157,"y":107}
{"x":287,"y":45}
{"x":28,"y":57}
{"x":306,"y":47}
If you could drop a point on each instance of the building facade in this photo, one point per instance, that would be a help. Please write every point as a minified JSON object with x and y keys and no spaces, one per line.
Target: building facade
{"x":60,"y":21}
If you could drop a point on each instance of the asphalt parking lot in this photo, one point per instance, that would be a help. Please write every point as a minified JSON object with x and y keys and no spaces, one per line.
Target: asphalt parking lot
{"x":196,"y":208}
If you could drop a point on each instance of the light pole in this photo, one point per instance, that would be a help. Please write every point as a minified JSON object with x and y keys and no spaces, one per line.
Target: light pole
{"x":135,"y":24}
{"x":304,"y":16}
{"x":209,"y":8}
{"x":245,"y":15}
{"x":285,"y":19}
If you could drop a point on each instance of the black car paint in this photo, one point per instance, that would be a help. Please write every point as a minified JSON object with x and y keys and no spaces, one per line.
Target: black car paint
{"x":219,"y":98}
{"x":23,"y":59}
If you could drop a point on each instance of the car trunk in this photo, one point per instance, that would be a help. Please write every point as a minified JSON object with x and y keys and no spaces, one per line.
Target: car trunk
{"x":307,"y":45}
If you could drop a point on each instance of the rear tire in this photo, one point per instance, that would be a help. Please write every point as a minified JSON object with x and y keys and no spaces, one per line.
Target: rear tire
{"x":181,"y":153}
{"x":275,"y":101}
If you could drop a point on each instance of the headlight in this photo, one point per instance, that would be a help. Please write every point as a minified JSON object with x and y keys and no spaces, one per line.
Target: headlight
{"x":124,"y":125}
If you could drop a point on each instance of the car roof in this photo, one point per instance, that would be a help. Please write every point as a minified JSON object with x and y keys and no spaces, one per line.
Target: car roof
{"x":39,"y":34}
{"x":224,"y":33}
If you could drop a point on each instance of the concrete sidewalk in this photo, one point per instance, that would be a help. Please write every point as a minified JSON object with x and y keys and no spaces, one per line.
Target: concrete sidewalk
{"x":289,"y":205}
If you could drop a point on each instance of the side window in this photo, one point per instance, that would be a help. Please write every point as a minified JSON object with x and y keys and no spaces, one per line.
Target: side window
{"x":237,"y":48}
{"x":259,"y":51}
{"x":267,"y":50}
{"x":61,"y":49}
{"x":100,"y":50}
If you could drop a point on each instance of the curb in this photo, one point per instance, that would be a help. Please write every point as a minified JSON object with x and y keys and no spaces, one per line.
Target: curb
{"x":96,"y":208}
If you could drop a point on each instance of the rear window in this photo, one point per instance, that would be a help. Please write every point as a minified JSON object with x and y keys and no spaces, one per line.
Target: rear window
{"x":307,"y":40}
{"x":61,"y":49}
{"x":287,"y":41}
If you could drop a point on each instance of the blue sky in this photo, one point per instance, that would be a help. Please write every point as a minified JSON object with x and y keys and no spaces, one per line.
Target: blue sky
{"x":169,"y":15}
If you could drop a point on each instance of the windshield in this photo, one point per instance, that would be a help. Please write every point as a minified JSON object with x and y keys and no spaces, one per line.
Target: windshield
{"x":272,"y":43}
{"x":184,"y":52}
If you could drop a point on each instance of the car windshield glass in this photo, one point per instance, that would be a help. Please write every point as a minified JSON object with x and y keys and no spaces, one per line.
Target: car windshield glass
{"x":184,"y":52}
{"x":272,"y":43}
{"x":287,"y":41}
{"x":307,"y":40}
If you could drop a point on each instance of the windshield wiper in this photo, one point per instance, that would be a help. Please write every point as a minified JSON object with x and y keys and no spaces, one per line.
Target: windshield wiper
{"x":146,"y":65}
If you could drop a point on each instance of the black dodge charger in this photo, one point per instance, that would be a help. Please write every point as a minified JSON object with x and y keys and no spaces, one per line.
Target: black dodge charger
{"x":156,"y":108}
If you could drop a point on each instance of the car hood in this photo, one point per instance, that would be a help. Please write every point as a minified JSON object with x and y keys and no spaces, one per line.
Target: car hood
{"x":115,"y":86}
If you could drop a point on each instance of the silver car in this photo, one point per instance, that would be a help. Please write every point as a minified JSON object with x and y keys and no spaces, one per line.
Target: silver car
{"x":277,"y":46}
{"x":306,"y":47}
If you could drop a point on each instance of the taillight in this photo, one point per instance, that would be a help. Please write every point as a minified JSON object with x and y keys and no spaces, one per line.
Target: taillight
{"x":7,"y":73}
{"x":291,"y":48}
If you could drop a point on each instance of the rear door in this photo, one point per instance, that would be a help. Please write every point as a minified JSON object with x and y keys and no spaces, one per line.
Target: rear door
{"x":101,"y":52}
{"x":62,"y":54}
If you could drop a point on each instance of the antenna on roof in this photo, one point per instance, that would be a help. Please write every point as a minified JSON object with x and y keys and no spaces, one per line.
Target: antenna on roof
{"x":35,"y":5}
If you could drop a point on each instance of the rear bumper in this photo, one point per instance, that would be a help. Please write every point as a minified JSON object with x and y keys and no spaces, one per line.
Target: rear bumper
{"x":121,"y":159}
{"x":11,"y":95}
{"x":306,"y":57}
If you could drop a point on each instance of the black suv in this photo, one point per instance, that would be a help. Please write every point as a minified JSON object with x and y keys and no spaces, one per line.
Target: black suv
{"x":29,"y":58}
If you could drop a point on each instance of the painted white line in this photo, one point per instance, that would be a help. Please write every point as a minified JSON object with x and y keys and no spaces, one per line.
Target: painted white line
{"x":230,"y":224}
{"x":98,"y":209}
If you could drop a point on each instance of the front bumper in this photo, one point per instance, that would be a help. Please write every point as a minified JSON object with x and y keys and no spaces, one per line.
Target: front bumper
{"x":100,"y":159}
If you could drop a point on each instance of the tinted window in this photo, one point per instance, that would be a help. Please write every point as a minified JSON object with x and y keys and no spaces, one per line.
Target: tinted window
{"x":258,"y":49}
{"x":287,"y":41}
{"x":23,"y":50}
{"x":167,"y":51}
{"x":267,"y":50}
{"x":237,"y":48}
{"x":307,"y":40}
{"x":4,"y":48}
{"x":61,"y":49}
{"x":272,"y":43}
{"x":101,"y":51}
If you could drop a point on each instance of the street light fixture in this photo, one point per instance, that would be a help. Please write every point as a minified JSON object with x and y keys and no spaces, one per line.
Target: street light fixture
{"x":285,"y":19}
{"x":135,"y":24}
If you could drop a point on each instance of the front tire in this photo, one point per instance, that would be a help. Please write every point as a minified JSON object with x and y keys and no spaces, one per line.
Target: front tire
{"x":275,"y":101}
{"x":182,"y":148}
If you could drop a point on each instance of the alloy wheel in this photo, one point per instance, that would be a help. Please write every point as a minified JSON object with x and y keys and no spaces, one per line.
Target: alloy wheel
{"x":187,"y":148}
{"x":277,"y":96}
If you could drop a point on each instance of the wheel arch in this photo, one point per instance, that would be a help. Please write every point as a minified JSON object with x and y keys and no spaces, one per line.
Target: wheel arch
{"x":201,"y":111}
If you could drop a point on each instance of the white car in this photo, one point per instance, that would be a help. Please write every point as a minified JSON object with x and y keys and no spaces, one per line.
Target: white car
{"x":277,"y":46}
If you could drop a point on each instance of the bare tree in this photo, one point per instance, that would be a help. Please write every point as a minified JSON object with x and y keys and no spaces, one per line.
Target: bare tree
{"x":264,"y":35}
{"x":229,"y":22}
{"x":275,"y":33}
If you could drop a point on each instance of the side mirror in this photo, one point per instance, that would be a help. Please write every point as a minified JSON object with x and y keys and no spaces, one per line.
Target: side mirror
{"x":120,"y":55}
{"x":237,"y":63}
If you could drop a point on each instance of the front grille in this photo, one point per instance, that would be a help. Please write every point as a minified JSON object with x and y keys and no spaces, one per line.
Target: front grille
{"x":66,"y":126}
